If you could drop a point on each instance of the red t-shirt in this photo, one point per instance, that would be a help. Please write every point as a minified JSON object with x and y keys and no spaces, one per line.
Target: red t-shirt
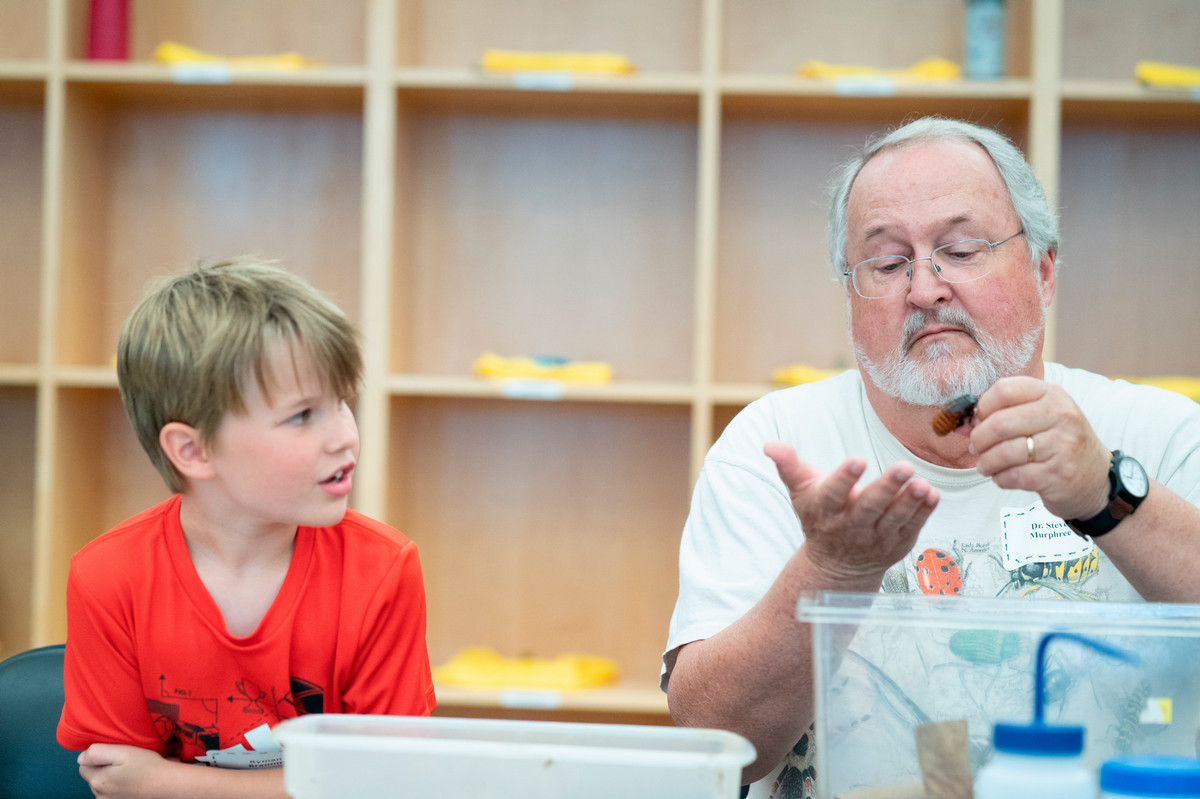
{"x":150,"y":663}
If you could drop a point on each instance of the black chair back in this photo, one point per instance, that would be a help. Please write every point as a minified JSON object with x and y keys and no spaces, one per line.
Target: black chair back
{"x":32,"y":764}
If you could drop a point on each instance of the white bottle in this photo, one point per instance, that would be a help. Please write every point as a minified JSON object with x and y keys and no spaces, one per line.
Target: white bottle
{"x":1150,"y":777}
{"x":1038,"y":761}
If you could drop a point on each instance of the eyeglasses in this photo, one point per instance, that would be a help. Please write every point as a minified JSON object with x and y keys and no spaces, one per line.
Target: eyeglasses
{"x":957,"y":262}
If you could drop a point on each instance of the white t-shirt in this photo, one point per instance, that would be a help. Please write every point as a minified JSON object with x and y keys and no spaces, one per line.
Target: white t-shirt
{"x":981,"y":540}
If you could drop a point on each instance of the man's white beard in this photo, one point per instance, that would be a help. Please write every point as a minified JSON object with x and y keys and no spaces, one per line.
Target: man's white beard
{"x":936,"y":378}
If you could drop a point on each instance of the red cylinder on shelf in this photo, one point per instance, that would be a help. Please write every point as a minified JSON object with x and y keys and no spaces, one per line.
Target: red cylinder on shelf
{"x":108,"y":30}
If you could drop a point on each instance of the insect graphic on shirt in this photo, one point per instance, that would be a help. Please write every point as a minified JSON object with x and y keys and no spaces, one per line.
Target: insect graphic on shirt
{"x":1129,"y":714}
{"x":1056,"y":683}
{"x":839,"y":731}
{"x":1062,"y":577}
{"x":939,"y":573}
{"x":898,"y":702}
{"x":991,"y":647}
{"x":904,"y":709}
{"x":895,"y":579}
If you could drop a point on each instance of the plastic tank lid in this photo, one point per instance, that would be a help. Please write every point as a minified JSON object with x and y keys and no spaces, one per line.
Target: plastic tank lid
{"x":1042,"y":740}
{"x":1152,"y":776}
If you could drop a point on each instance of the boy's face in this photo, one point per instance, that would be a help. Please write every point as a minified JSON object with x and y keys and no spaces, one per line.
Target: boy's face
{"x":290,"y":461}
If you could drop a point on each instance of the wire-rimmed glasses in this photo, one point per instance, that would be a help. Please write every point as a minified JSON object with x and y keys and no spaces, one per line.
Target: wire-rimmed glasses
{"x":957,"y":262}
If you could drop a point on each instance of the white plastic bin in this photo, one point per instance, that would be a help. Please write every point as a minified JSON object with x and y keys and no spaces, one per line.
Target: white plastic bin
{"x":885,"y":664}
{"x":356,"y":757}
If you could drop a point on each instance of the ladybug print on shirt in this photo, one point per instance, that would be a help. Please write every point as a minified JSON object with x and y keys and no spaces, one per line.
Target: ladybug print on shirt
{"x":938,"y":573}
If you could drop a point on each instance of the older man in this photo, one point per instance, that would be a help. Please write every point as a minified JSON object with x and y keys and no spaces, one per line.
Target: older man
{"x":947,"y":248}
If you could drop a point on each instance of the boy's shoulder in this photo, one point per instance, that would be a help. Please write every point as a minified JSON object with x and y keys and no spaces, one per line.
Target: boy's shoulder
{"x":360,"y":549}
{"x":140,"y":540}
{"x":136,"y":531}
{"x":363,"y":533}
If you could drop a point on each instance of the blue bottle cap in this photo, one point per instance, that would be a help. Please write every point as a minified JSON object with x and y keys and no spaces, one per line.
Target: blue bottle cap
{"x":1038,"y":739}
{"x":1163,"y":776}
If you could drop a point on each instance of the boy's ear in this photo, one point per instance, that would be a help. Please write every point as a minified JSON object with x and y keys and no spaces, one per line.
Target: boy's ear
{"x":183,"y":446}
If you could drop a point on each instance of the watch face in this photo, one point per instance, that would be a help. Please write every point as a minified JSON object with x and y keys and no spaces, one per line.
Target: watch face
{"x":1133,"y":476}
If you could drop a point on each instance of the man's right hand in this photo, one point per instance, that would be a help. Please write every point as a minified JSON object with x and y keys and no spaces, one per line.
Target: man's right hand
{"x":853,"y":533}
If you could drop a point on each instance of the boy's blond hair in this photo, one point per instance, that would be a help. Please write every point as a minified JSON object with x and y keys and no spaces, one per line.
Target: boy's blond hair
{"x":190,"y":344}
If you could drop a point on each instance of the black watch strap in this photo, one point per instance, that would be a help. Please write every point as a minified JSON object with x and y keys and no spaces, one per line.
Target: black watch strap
{"x":1098,"y":525}
{"x":1121,"y":503}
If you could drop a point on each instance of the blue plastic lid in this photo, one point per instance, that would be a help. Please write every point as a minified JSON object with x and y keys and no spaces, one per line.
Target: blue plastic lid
{"x":1041,"y":740}
{"x":1152,"y":776}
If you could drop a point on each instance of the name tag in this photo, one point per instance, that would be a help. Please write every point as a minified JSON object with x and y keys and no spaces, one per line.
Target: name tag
{"x":1035,"y":535}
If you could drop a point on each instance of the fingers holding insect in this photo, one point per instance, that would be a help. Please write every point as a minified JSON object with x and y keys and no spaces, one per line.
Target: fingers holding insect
{"x":1022,"y":422}
{"x":1033,"y":436}
{"x":955,"y":414}
{"x":1013,"y":409}
{"x":1009,"y":391}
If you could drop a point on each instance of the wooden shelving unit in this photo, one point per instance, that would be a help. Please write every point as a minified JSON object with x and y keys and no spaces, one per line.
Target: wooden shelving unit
{"x":669,"y":223}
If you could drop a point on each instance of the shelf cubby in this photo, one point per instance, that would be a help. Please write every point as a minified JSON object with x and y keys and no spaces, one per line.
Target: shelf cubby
{"x":211,"y":172}
{"x":22,"y":151}
{"x":18,"y":426}
{"x":522,"y":231}
{"x":544,"y":527}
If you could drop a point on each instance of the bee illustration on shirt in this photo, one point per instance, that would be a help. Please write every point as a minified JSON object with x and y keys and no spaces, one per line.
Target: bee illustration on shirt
{"x":1062,"y":577}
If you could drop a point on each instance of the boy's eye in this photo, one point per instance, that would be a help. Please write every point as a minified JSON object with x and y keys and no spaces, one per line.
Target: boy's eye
{"x":301,"y":417}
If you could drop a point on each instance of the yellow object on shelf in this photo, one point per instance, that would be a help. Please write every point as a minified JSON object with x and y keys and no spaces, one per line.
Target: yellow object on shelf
{"x":480,"y":667}
{"x":1187,"y":386}
{"x":574,"y":63}
{"x":495,"y":367}
{"x":802,"y":373}
{"x":176,"y":54}
{"x":927,"y":69}
{"x":1167,"y":76}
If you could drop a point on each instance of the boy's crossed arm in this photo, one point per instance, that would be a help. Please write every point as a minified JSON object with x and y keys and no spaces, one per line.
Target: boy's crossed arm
{"x":121,"y":771}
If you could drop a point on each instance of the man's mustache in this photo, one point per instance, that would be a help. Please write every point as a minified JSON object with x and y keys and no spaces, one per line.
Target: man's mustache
{"x":945,"y":315}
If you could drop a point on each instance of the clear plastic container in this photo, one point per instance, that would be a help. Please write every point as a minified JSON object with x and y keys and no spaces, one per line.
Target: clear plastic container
{"x":887,"y":664}
{"x":350,"y":757}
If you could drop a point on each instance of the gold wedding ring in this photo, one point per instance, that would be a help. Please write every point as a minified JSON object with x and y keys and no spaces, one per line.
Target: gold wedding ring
{"x":1032,"y":452}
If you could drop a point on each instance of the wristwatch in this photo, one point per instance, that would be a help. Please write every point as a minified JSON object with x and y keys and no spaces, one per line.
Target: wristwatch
{"x":1127,"y":487}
